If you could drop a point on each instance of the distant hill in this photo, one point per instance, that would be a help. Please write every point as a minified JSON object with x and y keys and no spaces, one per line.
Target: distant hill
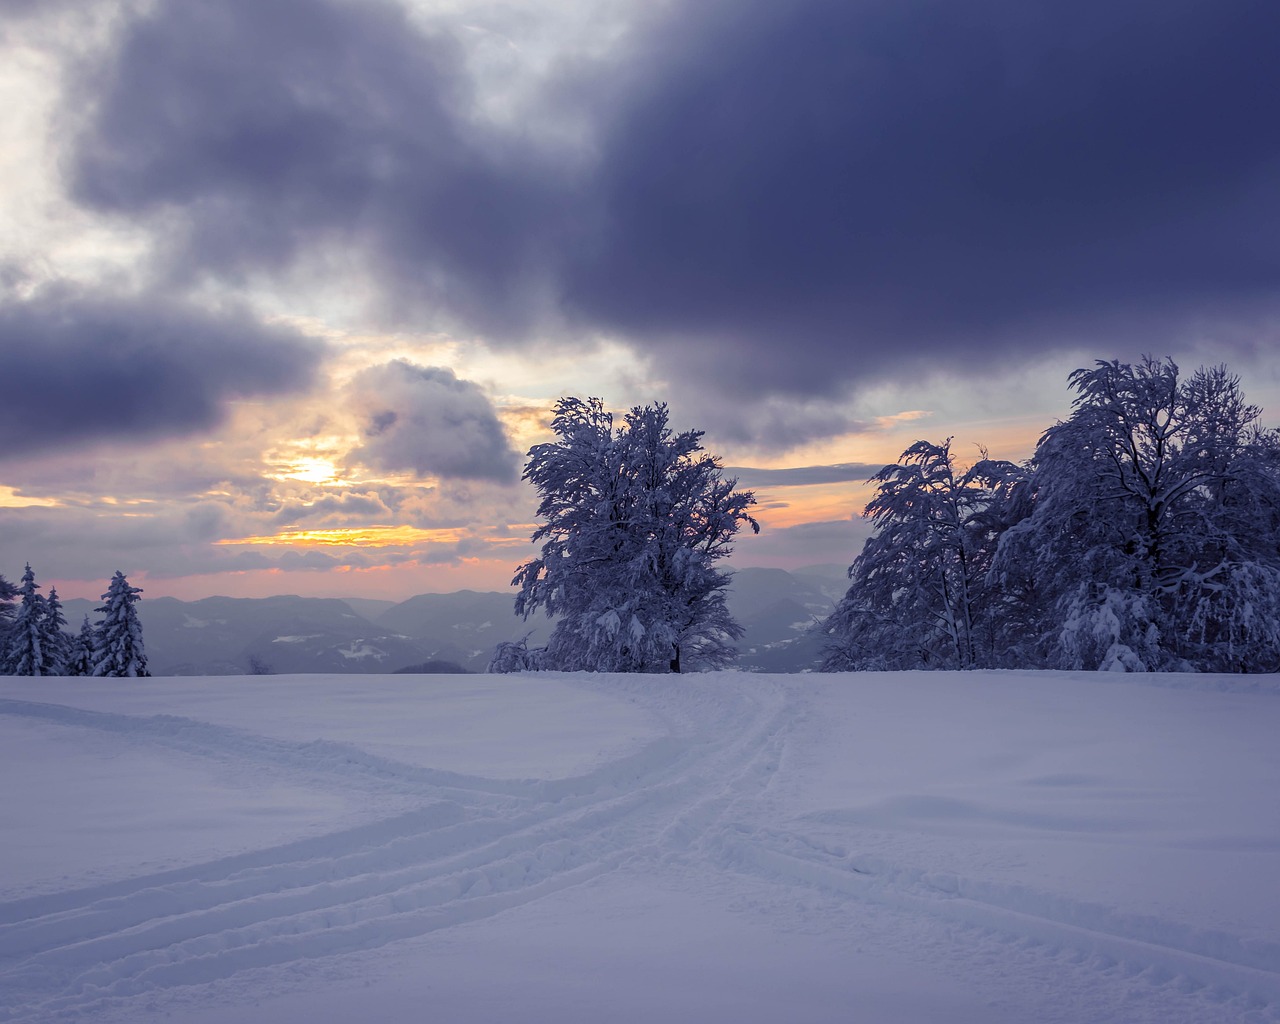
{"x":434,"y":632}
{"x":231,"y":635}
{"x":777,"y":609}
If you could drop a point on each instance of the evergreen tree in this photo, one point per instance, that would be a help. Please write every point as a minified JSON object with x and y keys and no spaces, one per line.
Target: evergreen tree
{"x":7,"y":594}
{"x":26,"y":650}
{"x":635,"y":520}
{"x":80,"y":651}
{"x":118,"y":648}
{"x":56,"y":644}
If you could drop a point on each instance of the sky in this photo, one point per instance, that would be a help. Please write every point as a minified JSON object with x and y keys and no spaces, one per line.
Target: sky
{"x":288,"y":288}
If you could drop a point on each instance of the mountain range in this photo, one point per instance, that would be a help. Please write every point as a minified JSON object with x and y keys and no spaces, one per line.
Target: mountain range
{"x":436,"y":632}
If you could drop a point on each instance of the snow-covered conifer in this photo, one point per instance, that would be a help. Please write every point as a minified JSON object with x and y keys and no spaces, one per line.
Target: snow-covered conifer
{"x":118,"y":648}
{"x":80,"y":651}
{"x":56,"y":643}
{"x":26,"y":654}
{"x":635,"y":520}
{"x":7,"y":593}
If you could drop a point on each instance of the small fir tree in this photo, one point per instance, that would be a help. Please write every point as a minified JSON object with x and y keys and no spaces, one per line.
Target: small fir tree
{"x":26,"y":647}
{"x":56,"y":643}
{"x":80,"y":657}
{"x":7,"y":593}
{"x":118,"y":649}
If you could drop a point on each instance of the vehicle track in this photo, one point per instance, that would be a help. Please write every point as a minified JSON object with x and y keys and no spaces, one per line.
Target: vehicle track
{"x":1217,"y":965}
{"x":476,"y":847}
{"x":460,"y":857}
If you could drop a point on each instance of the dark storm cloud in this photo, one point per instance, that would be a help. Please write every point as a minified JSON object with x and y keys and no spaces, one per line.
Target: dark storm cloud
{"x":424,"y":420}
{"x":81,"y":367}
{"x":819,"y":191}
{"x":786,"y":199}
{"x":256,"y":132}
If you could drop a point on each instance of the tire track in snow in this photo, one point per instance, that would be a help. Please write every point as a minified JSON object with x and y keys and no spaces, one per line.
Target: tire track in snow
{"x":324,"y":759}
{"x":480,"y":847}
{"x":74,"y":953}
{"x":1246,"y":971}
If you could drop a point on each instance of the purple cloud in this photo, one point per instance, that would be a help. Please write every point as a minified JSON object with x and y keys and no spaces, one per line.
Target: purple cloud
{"x":86,"y":367}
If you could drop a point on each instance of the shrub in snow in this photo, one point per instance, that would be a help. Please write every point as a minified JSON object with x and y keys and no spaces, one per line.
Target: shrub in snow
{"x":636,"y":519}
{"x":118,"y":649}
{"x":516,"y":656}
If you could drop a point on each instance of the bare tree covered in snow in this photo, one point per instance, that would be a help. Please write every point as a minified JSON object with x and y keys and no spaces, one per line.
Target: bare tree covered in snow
{"x":919,"y":596}
{"x":636,"y":518}
{"x":1154,"y":543}
{"x":1143,"y":535}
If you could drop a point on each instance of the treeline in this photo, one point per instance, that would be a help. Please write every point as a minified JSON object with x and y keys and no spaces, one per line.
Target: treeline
{"x":1143,"y":535}
{"x":33,"y":641}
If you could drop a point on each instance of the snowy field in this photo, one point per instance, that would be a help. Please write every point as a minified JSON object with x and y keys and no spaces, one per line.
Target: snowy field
{"x":898,"y":848}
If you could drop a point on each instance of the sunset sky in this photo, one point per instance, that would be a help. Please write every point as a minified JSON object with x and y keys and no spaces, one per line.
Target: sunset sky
{"x":288,"y":287}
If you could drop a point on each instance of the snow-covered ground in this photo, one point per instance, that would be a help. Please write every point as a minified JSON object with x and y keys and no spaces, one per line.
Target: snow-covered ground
{"x":899,"y":848}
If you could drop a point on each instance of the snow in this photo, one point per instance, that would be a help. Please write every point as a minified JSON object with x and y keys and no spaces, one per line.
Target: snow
{"x":359,"y":650}
{"x":907,"y":847}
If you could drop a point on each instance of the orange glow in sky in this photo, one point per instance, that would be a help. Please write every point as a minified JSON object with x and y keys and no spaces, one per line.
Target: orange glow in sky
{"x":357,"y":536}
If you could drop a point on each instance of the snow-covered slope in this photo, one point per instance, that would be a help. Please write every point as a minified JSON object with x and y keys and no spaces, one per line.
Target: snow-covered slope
{"x":731,"y":847}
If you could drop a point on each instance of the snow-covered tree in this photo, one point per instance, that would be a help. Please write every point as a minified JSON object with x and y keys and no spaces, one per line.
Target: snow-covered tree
{"x":118,"y":649}
{"x":515,"y":656}
{"x":7,"y":594}
{"x":80,"y":651}
{"x":919,"y":596}
{"x":636,"y":518}
{"x":56,"y":643}
{"x":25,"y":652}
{"x":1153,"y":543}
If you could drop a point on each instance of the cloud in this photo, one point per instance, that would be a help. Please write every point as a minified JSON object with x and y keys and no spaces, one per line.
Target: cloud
{"x":770,"y":202}
{"x":335,"y":509}
{"x":257,"y":133}
{"x":835,"y":542}
{"x":424,"y":420}
{"x":799,"y":196}
{"x":801,"y":476}
{"x":84,"y":366}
